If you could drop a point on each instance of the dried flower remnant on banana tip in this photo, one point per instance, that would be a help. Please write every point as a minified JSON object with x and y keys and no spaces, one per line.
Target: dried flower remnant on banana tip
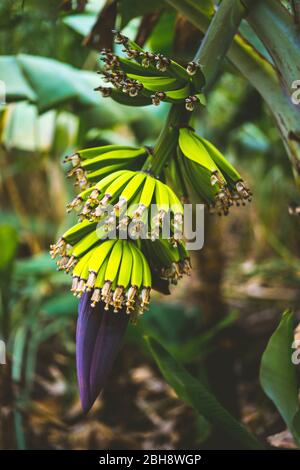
{"x":152,"y":76}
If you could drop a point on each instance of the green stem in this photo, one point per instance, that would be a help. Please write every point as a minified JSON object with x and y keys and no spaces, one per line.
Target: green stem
{"x":167,"y":140}
{"x":210,"y":55}
{"x":218,"y":38}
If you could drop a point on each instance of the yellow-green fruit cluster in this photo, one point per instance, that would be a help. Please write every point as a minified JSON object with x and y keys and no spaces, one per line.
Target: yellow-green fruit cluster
{"x":92,"y":164}
{"x":127,"y":196}
{"x":143,"y":77}
{"x":201,"y":170}
{"x":115,"y":272}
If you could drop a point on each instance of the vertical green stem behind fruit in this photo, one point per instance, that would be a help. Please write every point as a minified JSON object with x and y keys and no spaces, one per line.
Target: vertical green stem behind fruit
{"x":210,"y":55}
{"x":218,"y":38}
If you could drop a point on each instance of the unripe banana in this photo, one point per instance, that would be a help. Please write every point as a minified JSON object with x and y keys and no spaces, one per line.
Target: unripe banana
{"x":105,"y":171}
{"x":126,"y":99}
{"x":199,"y":180}
{"x":124,"y":274}
{"x":137,"y":272}
{"x":75,"y":233}
{"x":101,"y":275}
{"x":99,"y":283}
{"x":175,"y":204}
{"x":114,"y":261}
{"x":99,"y":255}
{"x":133,"y":205}
{"x":221,"y":161}
{"x":193,"y":149}
{"x":175,"y":178}
{"x":97,"y":151}
{"x":130,"y":67}
{"x":172,"y":252}
{"x":105,"y":182}
{"x":147,"y":191}
{"x":132,"y":187}
{"x":179,"y":94}
{"x":85,"y":244}
{"x":162,"y":196}
{"x":118,"y":184}
{"x":147,"y":278}
{"x":158,"y":83}
{"x":81,"y":263}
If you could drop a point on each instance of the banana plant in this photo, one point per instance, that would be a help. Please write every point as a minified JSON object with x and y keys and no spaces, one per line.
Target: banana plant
{"x":118,"y":250}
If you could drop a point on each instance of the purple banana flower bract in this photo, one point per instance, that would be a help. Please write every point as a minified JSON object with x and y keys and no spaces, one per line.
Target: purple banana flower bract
{"x":98,"y":337}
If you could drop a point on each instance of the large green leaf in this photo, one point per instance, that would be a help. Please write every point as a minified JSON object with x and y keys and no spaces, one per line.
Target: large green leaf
{"x":16,"y":86}
{"x":47,"y":82}
{"x":55,"y":82}
{"x":278,"y":375}
{"x":193,"y":392}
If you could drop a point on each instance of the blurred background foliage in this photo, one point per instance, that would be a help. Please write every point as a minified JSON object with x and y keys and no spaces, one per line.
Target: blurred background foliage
{"x":216,"y":324}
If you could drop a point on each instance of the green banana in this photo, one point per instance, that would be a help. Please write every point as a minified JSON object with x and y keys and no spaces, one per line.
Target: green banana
{"x":114,"y":261}
{"x":175,"y":204}
{"x":99,"y":255}
{"x":118,"y":184}
{"x":147,"y":191}
{"x":161,"y":196}
{"x":158,"y":83}
{"x":130,"y":67}
{"x":80,"y":265}
{"x":225,"y":167}
{"x":179,"y":94}
{"x":199,"y":178}
{"x":175,"y":178}
{"x":105,"y":171}
{"x":136,"y":272}
{"x":124,"y":98}
{"x":75,"y":233}
{"x":133,"y":204}
{"x":178,"y":71}
{"x":85,"y":244}
{"x":101,"y":275}
{"x":97,"y":151}
{"x":172,"y":251}
{"x":147,"y":278}
{"x":132,"y":187}
{"x":124,"y":274}
{"x":103,"y":184}
{"x":112,"y":157}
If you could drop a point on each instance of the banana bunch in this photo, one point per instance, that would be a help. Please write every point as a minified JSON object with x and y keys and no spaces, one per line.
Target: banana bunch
{"x":200,"y":170}
{"x":92,"y":164}
{"x":143,"y":78}
{"x":117,"y":272}
{"x":131,"y":197}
